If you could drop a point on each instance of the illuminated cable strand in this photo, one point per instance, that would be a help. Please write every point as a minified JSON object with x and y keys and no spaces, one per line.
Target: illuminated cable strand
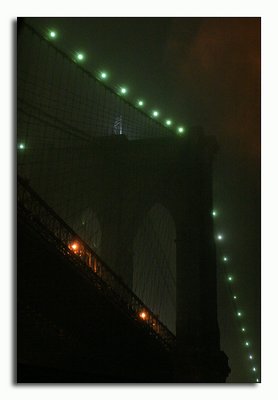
{"x":122,"y":91}
{"x":229,"y":278}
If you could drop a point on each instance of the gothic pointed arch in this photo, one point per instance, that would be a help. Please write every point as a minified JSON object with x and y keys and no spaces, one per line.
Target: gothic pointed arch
{"x":154,"y":263}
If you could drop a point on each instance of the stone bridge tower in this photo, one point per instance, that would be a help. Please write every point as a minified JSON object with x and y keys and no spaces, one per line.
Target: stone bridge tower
{"x":177,"y":173}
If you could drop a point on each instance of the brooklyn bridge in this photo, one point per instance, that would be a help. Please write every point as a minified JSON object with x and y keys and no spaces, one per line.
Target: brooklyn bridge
{"x":116,"y":248}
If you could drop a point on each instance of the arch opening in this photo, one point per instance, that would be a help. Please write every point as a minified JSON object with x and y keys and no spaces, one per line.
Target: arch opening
{"x":154,"y":264}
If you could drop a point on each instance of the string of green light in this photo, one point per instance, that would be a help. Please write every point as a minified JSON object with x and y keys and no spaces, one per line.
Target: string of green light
{"x":230,"y":278}
{"x":78,"y":56}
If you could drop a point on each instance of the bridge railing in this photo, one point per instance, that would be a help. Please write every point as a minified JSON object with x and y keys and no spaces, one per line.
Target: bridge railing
{"x":56,"y":231}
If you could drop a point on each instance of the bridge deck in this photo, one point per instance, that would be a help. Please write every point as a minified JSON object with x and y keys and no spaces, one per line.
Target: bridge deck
{"x":57,"y":232}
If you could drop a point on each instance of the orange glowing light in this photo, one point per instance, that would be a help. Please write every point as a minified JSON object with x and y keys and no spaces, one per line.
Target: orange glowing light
{"x":74,"y":246}
{"x":143,"y":315}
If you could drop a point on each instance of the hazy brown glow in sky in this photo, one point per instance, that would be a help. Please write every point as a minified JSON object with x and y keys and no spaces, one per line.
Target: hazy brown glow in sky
{"x":220,"y":67}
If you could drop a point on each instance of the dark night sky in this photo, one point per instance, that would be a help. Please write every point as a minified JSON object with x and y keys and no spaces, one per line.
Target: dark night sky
{"x":198,"y":71}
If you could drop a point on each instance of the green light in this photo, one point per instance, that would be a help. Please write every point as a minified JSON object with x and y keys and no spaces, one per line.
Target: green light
{"x":250,"y":357}
{"x":225,"y":258}
{"x":180,"y":129}
{"x":254,"y":369}
{"x":140,"y":103}
{"x":242,"y":329}
{"x":103,"y":75}
{"x":239,"y":314}
{"x":257,"y":380}
{"x":155,"y":113}
{"x":123,"y":90}
{"x":80,"y":56}
{"x":21,"y":146}
{"x":219,"y":237}
{"x":214,"y":213}
{"x":168,"y":122}
{"x":235,"y":297}
{"x":230,"y":278}
{"x":52,"y":34}
{"x":247,"y":344}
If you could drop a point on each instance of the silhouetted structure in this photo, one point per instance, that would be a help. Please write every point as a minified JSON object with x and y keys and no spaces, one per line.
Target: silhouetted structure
{"x":78,"y":318}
